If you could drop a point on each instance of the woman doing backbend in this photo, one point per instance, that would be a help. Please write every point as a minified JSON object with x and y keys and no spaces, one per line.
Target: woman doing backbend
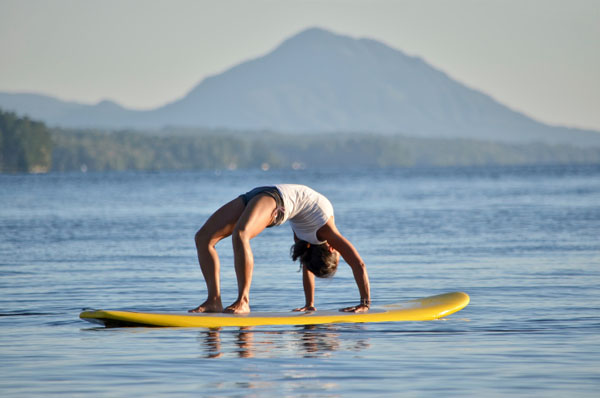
{"x":318,"y":243}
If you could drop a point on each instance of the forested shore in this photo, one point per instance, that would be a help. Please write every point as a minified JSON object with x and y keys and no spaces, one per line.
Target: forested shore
{"x":30,"y":146}
{"x":25,"y":145}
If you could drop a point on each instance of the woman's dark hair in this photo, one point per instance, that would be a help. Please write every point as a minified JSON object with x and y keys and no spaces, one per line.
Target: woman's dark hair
{"x":318,"y":259}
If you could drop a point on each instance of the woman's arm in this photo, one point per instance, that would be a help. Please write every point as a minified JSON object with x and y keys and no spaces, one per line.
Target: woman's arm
{"x":330,"y":233}
{"x":308,"y":281}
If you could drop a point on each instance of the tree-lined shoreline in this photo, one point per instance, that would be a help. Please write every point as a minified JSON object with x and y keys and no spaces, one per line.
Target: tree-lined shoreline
{"x":30,"y":146}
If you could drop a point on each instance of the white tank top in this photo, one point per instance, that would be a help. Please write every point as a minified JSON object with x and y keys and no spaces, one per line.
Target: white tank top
{"x":306,"y":210}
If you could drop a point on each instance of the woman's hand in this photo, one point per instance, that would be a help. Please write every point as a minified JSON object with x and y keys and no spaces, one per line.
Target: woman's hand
{"x":306,"y":308}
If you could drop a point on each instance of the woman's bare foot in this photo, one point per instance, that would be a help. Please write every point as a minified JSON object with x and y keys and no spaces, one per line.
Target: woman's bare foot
{"x":306,"y":308}
{"x":209,"y":306}
{"x":238,"y":307}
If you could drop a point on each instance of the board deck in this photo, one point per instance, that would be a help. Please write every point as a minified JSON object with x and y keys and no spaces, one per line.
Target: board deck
{"x":424,"y":309}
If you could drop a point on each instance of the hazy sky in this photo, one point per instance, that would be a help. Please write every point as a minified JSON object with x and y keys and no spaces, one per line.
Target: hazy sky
{"x":541,"y":57}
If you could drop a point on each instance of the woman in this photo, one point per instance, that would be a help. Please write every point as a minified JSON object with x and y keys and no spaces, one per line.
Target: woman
{"x":318,"y":243}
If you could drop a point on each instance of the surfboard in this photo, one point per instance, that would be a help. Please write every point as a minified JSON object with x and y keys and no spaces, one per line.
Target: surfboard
{"x":424,"y":309}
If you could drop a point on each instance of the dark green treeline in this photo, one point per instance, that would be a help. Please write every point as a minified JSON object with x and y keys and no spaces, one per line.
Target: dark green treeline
{"x":25,"y":145}
{"x":28,"y":146}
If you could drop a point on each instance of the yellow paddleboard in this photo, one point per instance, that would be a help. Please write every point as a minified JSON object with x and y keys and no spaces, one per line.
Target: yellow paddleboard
{"x":425,"y":309}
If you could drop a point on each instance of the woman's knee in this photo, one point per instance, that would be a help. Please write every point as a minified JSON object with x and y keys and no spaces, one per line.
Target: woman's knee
{"x":239,"y":235}
{"x":204,"y":238}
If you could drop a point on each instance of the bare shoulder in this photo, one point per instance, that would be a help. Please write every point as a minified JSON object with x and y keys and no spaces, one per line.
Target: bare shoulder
{"x":328,"y":231}
{"x":332,"y":235}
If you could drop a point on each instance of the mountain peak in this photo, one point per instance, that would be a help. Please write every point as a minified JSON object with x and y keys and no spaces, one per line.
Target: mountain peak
{"x":320,"y":81}
{"x":315,"y":32}
{"x":313,"y":38}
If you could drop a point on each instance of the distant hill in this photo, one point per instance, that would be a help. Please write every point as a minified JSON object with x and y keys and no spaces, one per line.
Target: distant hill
{"x":58,"y":113}
{"x":318,"y":81}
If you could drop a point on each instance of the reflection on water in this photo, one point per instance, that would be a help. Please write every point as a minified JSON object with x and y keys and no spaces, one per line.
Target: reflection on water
{"x":212,"y":343}
{"x":306,"y":341}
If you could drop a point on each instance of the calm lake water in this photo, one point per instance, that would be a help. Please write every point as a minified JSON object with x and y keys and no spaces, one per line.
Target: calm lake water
{"x":523,"y":242}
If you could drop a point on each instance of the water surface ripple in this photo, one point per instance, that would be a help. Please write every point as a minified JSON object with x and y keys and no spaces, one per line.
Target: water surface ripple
{"x":522,"y":241}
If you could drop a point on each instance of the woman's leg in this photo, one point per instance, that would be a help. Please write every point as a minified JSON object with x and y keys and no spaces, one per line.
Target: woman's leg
{"x":257,"y":216}
{"x":219,"y":226}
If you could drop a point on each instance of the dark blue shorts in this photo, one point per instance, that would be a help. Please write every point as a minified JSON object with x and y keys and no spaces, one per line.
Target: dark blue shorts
{"x":272,"y":192}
